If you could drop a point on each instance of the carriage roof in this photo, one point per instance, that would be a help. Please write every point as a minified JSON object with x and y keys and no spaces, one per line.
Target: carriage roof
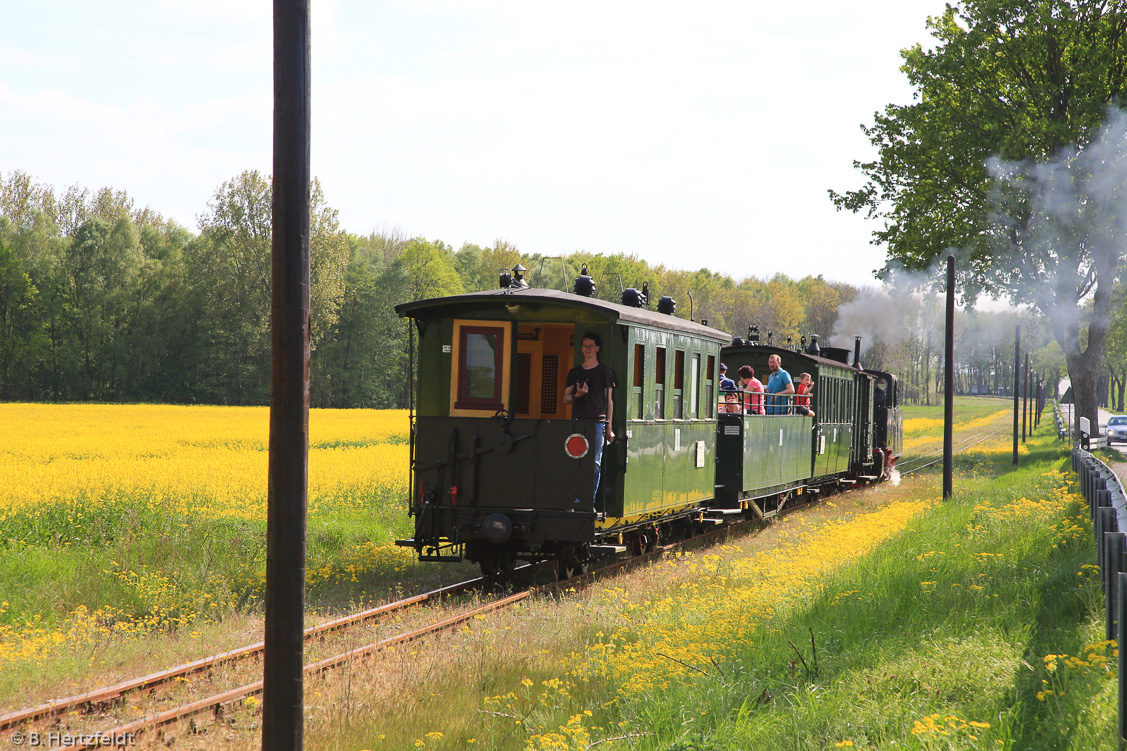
{"x":788,"y":355}
{"x":458,"y":304}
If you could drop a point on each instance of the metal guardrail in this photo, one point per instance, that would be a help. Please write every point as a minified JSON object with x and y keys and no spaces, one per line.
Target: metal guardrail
{"x":1062,"y":427}
{"x":1107,"y":506}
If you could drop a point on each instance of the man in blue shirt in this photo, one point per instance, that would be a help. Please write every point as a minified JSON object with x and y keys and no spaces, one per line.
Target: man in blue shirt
{"x":726,"y":383}
{"x":780,"y":382}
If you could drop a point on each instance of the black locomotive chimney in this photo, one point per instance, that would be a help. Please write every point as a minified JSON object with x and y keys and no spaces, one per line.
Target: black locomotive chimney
{"x":857,"y":352}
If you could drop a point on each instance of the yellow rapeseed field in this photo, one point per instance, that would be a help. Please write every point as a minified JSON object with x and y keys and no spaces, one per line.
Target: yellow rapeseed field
{"x":208,"y":460}
{"x":916,"y":443}
{"x":71,"y":465}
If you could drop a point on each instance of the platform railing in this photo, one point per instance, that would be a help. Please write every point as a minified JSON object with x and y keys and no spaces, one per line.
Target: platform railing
{"x":1107,"y":507}
{"x":742,"y":401}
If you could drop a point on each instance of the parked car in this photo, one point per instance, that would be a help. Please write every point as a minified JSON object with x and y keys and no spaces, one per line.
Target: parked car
{"x":1116,"y":429}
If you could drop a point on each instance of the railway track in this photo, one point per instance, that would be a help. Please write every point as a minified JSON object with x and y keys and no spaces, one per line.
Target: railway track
{"x":30,"y":723}
{"x":106,"y":696}
{"x":917,"y":463}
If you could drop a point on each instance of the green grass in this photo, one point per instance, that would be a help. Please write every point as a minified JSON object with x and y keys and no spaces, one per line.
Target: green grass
{"x":77,"y":577}
{"x":898,"y":652}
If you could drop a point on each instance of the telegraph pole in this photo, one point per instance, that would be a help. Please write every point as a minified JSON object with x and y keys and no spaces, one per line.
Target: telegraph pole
{"x":287,"y":496}
{"x":1025,"y":401}
{"x":949,"y":382}
{"x":1017,"y":382}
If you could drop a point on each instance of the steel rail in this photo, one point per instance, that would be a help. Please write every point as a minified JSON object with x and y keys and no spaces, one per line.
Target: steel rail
{"x":109,"y":693}
{"x":965,"y":444}
{"x":213,"y":702}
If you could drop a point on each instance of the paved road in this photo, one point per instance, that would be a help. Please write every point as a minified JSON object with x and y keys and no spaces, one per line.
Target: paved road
{"x":1066,"y":413}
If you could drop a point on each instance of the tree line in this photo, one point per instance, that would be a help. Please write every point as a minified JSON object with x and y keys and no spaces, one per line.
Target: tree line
{"x":102,"y":301}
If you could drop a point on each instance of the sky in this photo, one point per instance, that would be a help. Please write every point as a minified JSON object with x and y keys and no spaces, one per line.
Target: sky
{"x":690,"y":135}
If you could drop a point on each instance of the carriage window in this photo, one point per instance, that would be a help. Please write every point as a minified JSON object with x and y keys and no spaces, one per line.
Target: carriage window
{"x":659,"y":384}
{"x":709,"y":395}
{"x":694,"y":387}
{"x":678,"y":384}
{"x":639,"y":380}
{"x":481,"y":367}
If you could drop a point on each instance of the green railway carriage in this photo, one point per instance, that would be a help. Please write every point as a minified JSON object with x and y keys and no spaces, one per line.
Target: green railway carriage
{"x":501,"y":472}
{"x":797,"y":453}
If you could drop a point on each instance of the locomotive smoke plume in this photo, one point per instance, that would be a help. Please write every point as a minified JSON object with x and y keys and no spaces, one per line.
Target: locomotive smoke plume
{"x":1051,"y":224}
{"x":1054,"y":222}
{"x":875,"y":316}
{"x":870,"y":315}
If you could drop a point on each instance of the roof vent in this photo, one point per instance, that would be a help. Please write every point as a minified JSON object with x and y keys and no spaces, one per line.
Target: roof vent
{"x":584,"y":284}
{"x":840,"y":354}
{"x":814,"y":349}
{"x":737,"y":342}
{"x":667,"y":305}
{"x":632,"y":298}
{"x":753,"y":336}
{"x":518,"y":281}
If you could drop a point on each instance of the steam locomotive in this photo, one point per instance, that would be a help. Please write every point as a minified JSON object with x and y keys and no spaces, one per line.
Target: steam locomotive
{"x":502,"y":474}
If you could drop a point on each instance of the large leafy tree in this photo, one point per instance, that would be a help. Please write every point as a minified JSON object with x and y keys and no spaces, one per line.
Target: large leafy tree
{"x":992,"y":159}
{"x":230,"y":268}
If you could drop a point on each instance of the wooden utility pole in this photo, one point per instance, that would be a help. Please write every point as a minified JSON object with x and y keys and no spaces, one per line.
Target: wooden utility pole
{"x":1025,"y":401}
{"x":949,"y":382}
{"x":1017,"y":382}
{"x":283,"y":684}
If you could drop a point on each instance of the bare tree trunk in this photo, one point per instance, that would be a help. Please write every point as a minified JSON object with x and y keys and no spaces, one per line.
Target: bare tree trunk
{"x":1083,"y":371}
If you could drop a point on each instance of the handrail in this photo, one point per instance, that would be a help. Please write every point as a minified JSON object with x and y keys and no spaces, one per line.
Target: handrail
{"x":775,"y":405}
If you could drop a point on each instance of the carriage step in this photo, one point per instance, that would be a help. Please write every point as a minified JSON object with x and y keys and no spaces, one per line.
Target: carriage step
{"x":724,"y":511}
{"x":844,"y":481}
{"x":607,"y":549}
{"x":868,"y":478}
